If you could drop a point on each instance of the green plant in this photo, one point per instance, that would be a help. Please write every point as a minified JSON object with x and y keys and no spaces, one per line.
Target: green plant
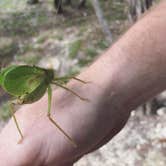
{"x":74,"y":48}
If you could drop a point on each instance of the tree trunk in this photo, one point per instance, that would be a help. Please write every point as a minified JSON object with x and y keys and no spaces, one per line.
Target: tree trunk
{"x":81,"y":4}
{"x":58,"y":6}
{"x":102,"y":21}
{"x":137,"y":7}
{"x":32,"y":2}
{"x":67,"y":2}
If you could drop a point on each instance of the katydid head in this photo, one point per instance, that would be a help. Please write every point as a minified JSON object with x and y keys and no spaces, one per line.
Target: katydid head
{"x":49,"y":75}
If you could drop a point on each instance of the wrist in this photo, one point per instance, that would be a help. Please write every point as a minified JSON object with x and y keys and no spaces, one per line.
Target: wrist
{"x":104,"y":77}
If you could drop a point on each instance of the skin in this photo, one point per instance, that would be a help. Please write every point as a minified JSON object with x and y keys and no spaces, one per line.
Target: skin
{"x":126,"y":75}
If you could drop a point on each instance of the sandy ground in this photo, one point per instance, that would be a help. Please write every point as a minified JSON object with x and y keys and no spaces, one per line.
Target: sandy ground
{"x":141,"y":143}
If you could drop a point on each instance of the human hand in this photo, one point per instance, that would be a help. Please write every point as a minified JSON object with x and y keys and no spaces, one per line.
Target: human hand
{"x":90,"y":124}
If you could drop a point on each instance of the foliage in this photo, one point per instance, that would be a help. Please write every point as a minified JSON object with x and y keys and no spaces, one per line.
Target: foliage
{"x":102,"y":44}
{"x":74,"y":48}
{"x":30,"y":58}
{"x":22,"y":23}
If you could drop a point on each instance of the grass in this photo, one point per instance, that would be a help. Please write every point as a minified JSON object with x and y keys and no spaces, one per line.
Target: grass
{"x":23,"y":24}
{"x":29,"y":59}
{"x":7,"y":47}
{"x":12,"y":5}
{"x":114,"y":10}
{"x":74,"y":49}
{"x":102,"y":44}
{"x":59,"y":37}
{"x":91,"y":52}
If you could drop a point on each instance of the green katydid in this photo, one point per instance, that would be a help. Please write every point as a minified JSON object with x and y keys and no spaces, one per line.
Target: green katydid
{"x":28,"y":84}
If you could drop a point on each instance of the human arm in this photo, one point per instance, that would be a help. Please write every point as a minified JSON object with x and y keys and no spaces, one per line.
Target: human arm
{"x":126,"y":75}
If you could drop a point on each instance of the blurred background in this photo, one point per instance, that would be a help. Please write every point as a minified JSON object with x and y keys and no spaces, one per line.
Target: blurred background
{"x":68,"y":35}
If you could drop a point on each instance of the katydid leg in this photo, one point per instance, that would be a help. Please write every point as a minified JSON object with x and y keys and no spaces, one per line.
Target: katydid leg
{"x":71,"y":91}
{"x":66,"y":78}
{"x":53,"y":121}
{"x":11,"y":107}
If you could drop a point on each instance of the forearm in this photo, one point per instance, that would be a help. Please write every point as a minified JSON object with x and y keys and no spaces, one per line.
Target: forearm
{"x":129,"y":73}
{"x":133,"y":69}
